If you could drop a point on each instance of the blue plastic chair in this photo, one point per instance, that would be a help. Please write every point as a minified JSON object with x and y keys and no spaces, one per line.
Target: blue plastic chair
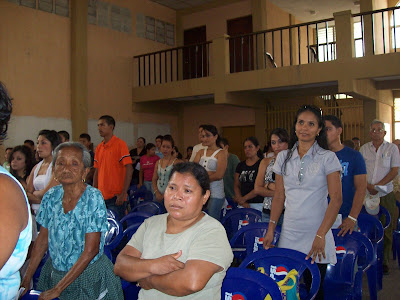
{"x":250,"y":239}
{"x":396,"y":244}
{"x":136,"y":196}
{"x":237,"y":218}
{"x":396,"y":249}
{"x":340,"y":281}
{"x":152,"y":207}
{"x":135,"y":217}
{"x":113,"y":237}
{"x":372,"y":228}
{"x":32,"y":295}
{"x":277,"y":262}
{"x":111,"y":214}
{"x":240,"y":283}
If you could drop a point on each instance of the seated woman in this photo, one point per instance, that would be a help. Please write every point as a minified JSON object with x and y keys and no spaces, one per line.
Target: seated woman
{"x":15,"y":217}
{"x":21,"y":163}
{"x":74,"y":221}
{"x":184,"y":252}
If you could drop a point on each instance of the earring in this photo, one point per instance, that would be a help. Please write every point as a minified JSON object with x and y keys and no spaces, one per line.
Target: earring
{"x":83,"y":180}
{"x":55,"y":178}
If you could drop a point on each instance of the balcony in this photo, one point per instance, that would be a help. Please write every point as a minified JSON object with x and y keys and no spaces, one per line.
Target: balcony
{"x":350,"y":54}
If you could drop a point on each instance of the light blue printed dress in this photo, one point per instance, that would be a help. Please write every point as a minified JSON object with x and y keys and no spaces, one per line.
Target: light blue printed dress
{"x":67,"y":230}
{"x":9,"y":274}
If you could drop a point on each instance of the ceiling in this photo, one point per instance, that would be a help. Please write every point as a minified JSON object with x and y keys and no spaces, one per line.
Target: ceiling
{"x":304,"y":10}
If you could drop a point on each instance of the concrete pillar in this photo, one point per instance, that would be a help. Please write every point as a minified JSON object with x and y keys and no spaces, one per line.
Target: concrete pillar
{"x":179,"y":42}
{"x":367,"y":5}
{"x":371,"y":112}
{"x":344,"y":35}
{"x":259,"y":16}
{"x":221,"y":67}
{"x":260,"y":125}
{"x":79,"y":65}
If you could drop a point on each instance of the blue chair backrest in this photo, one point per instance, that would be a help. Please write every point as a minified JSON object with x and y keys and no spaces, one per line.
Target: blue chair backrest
{"x":32,"y":295}
{"x":111,"y":214}
{"x":135,"y":217}
{"x":237,"y":218}
{"x":131,"y":230}
{"x":154,"y":208}
{"x":382,"y":212}
{"x":113,"y":234}
{"x":251,"y":237}
{"x":247,"y":284}
{"x":398,"y":219}
{"x":371,"y":227}
{"x":348,"y":249}
{"x":138,"y":195}
{"x":277,"y":262}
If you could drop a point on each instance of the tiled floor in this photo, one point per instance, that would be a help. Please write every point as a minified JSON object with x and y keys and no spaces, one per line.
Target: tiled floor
{"x":391,"y":284}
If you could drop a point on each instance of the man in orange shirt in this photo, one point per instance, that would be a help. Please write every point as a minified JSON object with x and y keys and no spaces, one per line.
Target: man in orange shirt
{"x":113,"y":166}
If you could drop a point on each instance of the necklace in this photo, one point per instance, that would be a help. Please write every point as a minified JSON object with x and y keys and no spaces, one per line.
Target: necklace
{"x":164,"y":173}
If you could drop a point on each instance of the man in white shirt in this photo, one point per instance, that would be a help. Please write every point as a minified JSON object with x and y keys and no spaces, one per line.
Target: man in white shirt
{"x":383,"y":161}
{"x":200,"y":146}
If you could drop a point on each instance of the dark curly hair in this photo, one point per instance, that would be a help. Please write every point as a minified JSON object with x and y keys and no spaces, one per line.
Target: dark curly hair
{"x":5,"y":111}
{"x":52,"y":136}
{"x":29,"y":160}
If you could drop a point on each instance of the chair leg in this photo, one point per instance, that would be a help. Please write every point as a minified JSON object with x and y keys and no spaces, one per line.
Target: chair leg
{"x":396,"y":244}
{"x":372,"y":282}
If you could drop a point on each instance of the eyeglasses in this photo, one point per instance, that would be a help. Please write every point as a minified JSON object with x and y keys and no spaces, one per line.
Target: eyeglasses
{"x":377,"y":130}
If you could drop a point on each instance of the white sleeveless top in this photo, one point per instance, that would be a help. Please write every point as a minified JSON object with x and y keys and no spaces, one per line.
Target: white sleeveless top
{"x":41,"y":181}
{"x":210,"y":164}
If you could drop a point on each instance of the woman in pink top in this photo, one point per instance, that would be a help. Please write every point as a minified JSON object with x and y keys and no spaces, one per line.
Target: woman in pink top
{"x":147,"y":164}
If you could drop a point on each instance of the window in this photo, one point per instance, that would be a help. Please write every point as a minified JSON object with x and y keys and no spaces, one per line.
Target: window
{"x":358,"y":40}
{"x":326,"y":44}
{"x":395,"y":27}
{"x":397,"y":118}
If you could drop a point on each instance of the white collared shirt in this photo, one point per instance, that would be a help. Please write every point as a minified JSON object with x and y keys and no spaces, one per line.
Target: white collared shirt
{"x":379,"y":163}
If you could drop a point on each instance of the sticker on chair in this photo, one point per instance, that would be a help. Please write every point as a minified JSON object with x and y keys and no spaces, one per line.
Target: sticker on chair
{"x":243,"y":223}
{"x":235,"y":296}
{"x":340,"y":250}
{"x":278,"y":271}
{"x":258,"y":243}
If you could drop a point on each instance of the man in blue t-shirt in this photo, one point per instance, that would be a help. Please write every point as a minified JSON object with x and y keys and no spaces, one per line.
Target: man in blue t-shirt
{"x":354,"y":175}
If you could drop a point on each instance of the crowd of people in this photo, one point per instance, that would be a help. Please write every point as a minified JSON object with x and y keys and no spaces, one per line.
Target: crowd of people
{"x":55,"y":198}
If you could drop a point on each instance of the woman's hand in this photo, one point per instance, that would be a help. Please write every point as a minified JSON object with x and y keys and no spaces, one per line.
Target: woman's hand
{"x":271,"y":186}
{"x":26,"y":284}
{"x":317,"y":249}
{"x":50,"y":294}
{"x":167,"y":264}
{"x":268,"y":239}
{"x":144,"y":283}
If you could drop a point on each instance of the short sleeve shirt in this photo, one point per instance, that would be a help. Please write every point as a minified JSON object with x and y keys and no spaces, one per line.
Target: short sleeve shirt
{"x":379,"y":163}
{"x":110,"y":160}
{"x":247,"y":178}
{"x":67,"y":230}
{"x":147,"y":164}
{"x":206,"y":240}
{"x":352,"y":164}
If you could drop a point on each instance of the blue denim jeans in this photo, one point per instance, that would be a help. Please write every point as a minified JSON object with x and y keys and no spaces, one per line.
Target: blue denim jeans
{"x":149,"y":187}
{"x":118,"y":209}
{"x":214,"y":207}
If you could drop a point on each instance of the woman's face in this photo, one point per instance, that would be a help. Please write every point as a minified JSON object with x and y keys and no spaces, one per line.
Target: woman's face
{"x":18,"y":161}
{"x":208,"y":138}
{"x":250,"y":150}
{"x":44,"y":148}
{"x":166,"y":148}
{"x":307,"y":127}
{"x":151,"y":151}
{"x":69,"y":168}
{"x":277,"y":145}
{"x":183,"y":197}
{"x":140,"y":143}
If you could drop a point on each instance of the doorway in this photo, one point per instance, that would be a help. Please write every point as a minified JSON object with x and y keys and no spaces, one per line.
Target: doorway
{"x":194,"y":57}
{"x":241,"y":48}
{"x":236,"y":136}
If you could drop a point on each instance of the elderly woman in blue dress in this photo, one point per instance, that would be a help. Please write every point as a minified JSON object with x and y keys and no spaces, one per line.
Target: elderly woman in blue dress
{"x":305,"y":174}
{"x":74,"y":222}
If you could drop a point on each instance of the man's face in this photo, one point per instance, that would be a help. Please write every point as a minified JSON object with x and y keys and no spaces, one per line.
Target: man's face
{"x":377,"y":132}
{"x":104,"y":128}
{"x":332,"y":133}
{"x":84,"y":142}
{"x":158,"y":143}
{"x":140,"y":143}
{"x":357,"y":144}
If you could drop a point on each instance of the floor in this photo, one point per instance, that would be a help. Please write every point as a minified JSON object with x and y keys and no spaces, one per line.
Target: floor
{"x":391,"y":288}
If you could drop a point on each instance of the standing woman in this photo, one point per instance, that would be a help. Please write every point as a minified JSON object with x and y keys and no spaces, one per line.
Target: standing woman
{"x":246,"y":174}
{"x":21,"y":163}
{"x":163,"y":167}
{"x":136,"y":154}
{"x":265,"y":182}
{"x":214,"y":161}
{"x":305,"y":174}
{"x":147,"y":166}
{"x":42,"y":178}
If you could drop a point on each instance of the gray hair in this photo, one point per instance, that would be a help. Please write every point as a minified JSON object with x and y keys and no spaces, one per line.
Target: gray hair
{"x":376,"y":121}
{"x":87,"y":160}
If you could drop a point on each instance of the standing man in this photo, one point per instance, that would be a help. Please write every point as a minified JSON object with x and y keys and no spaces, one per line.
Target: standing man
{"x":383,"y":161}
{"x":200,"y":146}
{"x":354,"y":176}
{"x":357,"y":143}
{"x":229,"y":176}
{"x":113,"y":166}
{"x":158,"y":146}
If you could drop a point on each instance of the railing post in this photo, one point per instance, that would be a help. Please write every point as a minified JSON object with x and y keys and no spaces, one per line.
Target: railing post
{"x":344,"y":35}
